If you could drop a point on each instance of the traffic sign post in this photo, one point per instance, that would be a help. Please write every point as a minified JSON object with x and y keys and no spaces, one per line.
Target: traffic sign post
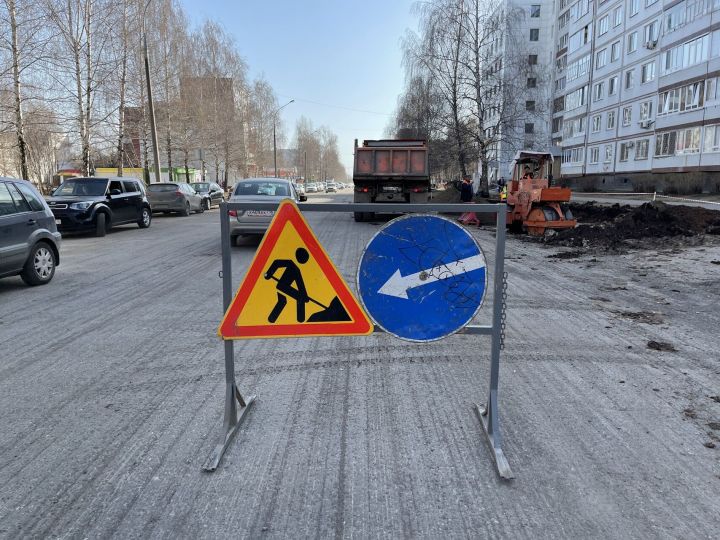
{"x":459,"y":277}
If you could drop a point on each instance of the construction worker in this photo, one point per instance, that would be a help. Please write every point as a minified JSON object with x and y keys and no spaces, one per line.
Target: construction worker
{"x":503,"y":193}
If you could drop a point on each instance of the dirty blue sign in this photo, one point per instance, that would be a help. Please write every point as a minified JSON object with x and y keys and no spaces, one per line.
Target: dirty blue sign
{"x":422,"y":277}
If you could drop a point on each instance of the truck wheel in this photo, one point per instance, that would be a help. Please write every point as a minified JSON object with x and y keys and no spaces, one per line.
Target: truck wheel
{"x":359,"y":216}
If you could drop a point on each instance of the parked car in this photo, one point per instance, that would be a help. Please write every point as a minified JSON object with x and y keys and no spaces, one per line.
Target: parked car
{"x":330,"y":187}
{"x":176,"y":197}
{"x":311,"y":188}
{"x":256,"y":222}
{"x":29,"y":239}
{"x":213,"y":192}
{"x":97,"y":204}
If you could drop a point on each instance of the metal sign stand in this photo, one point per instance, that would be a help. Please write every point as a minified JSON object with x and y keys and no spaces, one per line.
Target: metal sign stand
{"x":233,"y":397}
{"x":487,"y":413}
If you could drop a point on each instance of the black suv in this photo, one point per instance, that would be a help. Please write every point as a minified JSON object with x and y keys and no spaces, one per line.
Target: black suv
{"x":96,"y":204}
{"x":29,"y":241}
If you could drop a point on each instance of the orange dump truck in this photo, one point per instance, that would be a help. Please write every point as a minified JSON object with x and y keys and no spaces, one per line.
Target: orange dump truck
{"x":390,"y":171}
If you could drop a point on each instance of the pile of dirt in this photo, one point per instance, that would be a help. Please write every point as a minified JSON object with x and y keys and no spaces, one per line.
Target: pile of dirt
{"x":619,"y":226}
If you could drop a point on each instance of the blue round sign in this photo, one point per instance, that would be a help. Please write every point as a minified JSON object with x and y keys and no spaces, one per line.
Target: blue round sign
{"x":422,"y":277}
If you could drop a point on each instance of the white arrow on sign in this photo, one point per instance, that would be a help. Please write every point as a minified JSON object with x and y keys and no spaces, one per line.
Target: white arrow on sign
{"x":398,"y":285}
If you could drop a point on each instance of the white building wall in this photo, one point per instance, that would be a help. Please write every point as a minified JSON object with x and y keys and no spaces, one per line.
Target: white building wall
{"x":627,"y":138}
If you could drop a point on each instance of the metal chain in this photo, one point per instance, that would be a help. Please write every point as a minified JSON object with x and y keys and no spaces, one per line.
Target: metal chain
{"x":502,"y":313}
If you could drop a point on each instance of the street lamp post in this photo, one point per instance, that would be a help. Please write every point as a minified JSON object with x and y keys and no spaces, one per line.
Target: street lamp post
{"x":274,"y":141}
{"x":151,"y":108}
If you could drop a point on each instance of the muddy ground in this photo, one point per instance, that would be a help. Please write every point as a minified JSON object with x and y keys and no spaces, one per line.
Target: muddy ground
{"x":652,"y":225}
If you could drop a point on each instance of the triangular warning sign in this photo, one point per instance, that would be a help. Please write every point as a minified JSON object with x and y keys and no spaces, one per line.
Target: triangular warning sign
{"x":292,"y":288}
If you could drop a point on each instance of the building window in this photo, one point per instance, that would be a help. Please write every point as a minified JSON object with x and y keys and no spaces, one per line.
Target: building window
{"x":532,"y":59}
{"x":711,"y":90}
{"x":665,"y":143}
{"x":603,"y":25}
{"x":629,"y":79}
{"x":686,"y":55}
{"x":573,"y":128}
{"x":647,"y":72}
{"x":684,"y":98}
{"x":610,"y":120}
{"x":614,"y":51}
{"x":634,"y":7}
{"x":711,"y":138}
{"x":563,"y":41}
{"x":534,"y":34}
{"x":532,"y":82}
{"x":626,"y":116}
{"x":600,"y":59}
{"x":561,"y":63}
{"x":578,"y":68}
{"x":651,"y":32}
{"x":529,"y":127}
{"x":595,"y":154}
{"x":576,"y":99}
{"x":557,"y":125}
{"x":618,"y":16}
{"x":535,"y":10}
{"x":579,"y":38}
{"x":624,"y":151}
{"x":573,"y":155}
{"x":649,"y":2}
{"x":608,"y":153}
{"x":641,"y":149}
{"x":530,"y":106}
{"x":646,"y":110}
{"x":612,"y":85}
{"x":599,"y":91}
{"x":596,"y":123}
{"x":632,"y":42}
{"x":563,"y":19}
{"x":688,"y":141}
{"x":692,"y":96}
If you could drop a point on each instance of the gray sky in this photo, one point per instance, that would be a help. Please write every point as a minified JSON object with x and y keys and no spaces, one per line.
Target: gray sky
{"x":340,"y":60}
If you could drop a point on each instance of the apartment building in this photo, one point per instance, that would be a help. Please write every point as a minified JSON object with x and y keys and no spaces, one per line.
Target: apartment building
{"x":521,"y":59}
{"x":636,"y":93}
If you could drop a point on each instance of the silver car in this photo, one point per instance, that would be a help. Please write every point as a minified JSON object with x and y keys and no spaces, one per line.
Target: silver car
{"x":256,"y":222}
{"x":176,"y":197}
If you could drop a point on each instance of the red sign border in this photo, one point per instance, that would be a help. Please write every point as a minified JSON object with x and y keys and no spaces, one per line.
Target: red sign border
{"x":360,"y":324}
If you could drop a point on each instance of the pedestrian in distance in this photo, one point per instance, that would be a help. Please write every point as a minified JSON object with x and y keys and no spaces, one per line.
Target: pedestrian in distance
{"x":466,"y":196}
{"x":466,"y":190}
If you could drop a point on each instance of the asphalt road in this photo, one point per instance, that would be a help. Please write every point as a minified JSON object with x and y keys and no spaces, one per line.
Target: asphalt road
{"x":111,"y":392}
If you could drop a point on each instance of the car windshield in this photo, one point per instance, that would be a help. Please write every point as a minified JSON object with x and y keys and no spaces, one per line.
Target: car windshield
{"x":276,"y":189}
{"x":201,"y":186}
{"x":160,"y":188}
{"x":91,"y":187}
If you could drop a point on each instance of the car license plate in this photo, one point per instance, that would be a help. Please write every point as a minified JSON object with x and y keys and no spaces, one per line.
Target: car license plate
{"x":259,"y":213}
{"x":58,"y":222}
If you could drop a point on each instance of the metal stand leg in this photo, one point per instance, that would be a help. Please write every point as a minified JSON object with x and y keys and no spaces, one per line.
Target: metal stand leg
{"x":491,"y":425}
{"x":488,"y":414}
{"x":233,"y":418}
